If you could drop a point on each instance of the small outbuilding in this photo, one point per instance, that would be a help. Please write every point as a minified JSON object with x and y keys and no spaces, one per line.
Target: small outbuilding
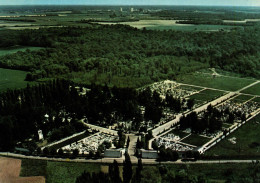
{"x":113,"y":153}
{"x":146,"y":154}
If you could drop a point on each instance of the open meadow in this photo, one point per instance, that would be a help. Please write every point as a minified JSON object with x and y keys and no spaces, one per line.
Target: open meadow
{"x":170,"y":25}
{"x":6,"y":51}
{"x":12,"y":79}
{"x":217,"y":82}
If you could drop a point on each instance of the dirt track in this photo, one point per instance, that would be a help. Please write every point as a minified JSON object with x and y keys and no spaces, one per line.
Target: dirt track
{"x":10,"y":171}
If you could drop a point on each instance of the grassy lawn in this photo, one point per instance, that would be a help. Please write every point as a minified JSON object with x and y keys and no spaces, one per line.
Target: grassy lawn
{"x":206,"y":95}
{"x":247,"y":143}
{"x":63,"y":172}
{"x":179,"y":133}
{"x":241,"y":98}
{"x":192,"y":88}
{"x":220,"y":82}
{"x":195,"y":140}
{"x":214,"y":172}
{"x":33,"y":168}
{"x":12,"y":79}
{"x":257,"y":99}
{"x":67,"y":172}
{"x":12,"y":50}
{"x":56,"y":172}
{"x":254,"y":90}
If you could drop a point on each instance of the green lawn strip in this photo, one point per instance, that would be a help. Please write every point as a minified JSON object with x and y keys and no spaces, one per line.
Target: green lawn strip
{"x":179,"y":133}
{"x":32,"y":167}
{"x":214,"y":172}
{"x":206,"y":95}
{"x":247,"y":142}
{"x":257,"y":99}
{"x":192,"y":88}
{"x":12,"y":79}
{"x":241,"y":98}
{"x":67,"y":172}
{"x":219,"y":82}
{"x":254,"y":90}
{"x":196,"y":140}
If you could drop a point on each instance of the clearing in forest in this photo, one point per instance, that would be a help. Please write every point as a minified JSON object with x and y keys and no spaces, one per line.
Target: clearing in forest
{"x":12,"y":79}
{"x":218,"y":82}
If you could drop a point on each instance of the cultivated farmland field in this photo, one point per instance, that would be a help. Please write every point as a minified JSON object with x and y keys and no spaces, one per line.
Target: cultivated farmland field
{"x":219,"y":82}
{"x":12,"y":79}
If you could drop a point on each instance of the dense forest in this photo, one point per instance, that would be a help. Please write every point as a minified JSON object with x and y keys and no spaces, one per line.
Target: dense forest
{"x":119,"y":55}
{"x":208,"y":13}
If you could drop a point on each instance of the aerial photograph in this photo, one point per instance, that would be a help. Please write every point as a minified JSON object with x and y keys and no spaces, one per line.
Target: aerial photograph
{"x":129,"y":91}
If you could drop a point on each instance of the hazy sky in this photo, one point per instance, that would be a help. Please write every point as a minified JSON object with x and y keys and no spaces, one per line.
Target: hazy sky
{"x":134,"y":2}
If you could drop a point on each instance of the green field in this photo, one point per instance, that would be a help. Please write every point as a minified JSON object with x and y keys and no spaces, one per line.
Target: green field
{"x":257,"y":99}
{"x":12,"y":50}
{"x":241,"y":99}
{"x":192,"y":88}
{"x":56,"y":172}
{"x":216,"y":173}
{"x":178,"y":133}
{"x":67,"y":172}
{"x":195,"y":140}
{"x":183,"y":27}
{"x":219,"y":82}
{"x":206,"y":95}
{"x":247,"y":143}
{"x":254,"y":90}
{"x":12,"y":79}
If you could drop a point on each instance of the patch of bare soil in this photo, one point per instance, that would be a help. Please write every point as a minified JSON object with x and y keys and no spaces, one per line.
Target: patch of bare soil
{"x":10,"y":171}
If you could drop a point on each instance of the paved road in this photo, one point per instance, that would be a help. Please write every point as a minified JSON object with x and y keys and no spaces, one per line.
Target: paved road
{"x":132,"y":145}
{"x":120,"y":160}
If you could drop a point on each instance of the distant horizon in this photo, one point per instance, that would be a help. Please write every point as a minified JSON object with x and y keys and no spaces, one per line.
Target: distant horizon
{"x":233,"y":3}
{"x":126,"y":5}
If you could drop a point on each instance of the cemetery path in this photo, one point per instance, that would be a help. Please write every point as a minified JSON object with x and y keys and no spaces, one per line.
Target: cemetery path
{"x":132,"y":145}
